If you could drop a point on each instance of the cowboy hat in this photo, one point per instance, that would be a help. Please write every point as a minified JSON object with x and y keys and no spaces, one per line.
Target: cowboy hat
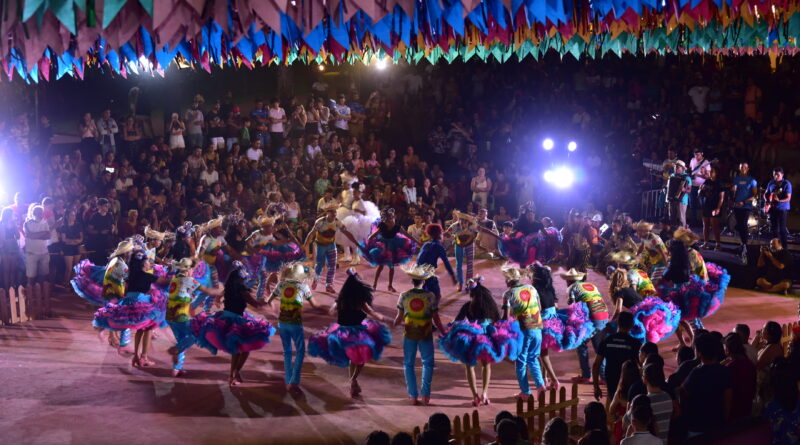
{"x":572,"y":275}
{"x":511,"y":272}
{"x":419,"y":271}
{"x":330,"y":207}
{"x":681,"y":163}
{"x":464,"y":216}
{"x":123,"y":247}
{"x":685,"y":236}
{"x":624,"y":258}
{"x":643,"y":225}
{"x":214,"y":223}
{"x":185,"y":264}
{"x":264,"y":220}
{"x":295,"y":272}
{"x":154,"y":234}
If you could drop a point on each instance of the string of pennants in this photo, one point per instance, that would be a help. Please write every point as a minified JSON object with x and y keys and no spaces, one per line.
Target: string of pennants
{"x":65,"y":37}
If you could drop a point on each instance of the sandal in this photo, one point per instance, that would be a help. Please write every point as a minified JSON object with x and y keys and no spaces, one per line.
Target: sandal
{"x":145,"y":361}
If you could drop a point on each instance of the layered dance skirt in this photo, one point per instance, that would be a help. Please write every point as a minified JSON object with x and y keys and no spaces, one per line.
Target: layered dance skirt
{"x":472,"y":342}
{"x":698,"y":298}
{"x":567,"y":328}
{"x":390,"y":252}
{"x":230,"y":332}
{"x":342,"y":345}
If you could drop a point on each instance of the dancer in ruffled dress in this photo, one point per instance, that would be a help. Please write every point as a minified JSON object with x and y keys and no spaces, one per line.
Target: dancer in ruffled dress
{"x":478,"y":335}
{"x":155,"y":243}
{"x":464,"y":230}
{"x":232,"y":329}
{"x":653,"y":318}
{"x":357,"y":216}
{"x":292,"y":291}
{"x":388,"y":246}
{"x":139,"y":311}
{"x":323,"y":235}
{"x":518,"y":247}
{"x":418,"y":311}
{"x":184,"y":245}
{"x":210,"y":246}
{"x":353,"y":340}
{"x":276,"y":245}
{"x":182,"y":289}
{"x":521,"y":301}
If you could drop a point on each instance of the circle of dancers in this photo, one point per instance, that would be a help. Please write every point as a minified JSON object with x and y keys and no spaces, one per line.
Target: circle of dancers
{"x":215,"y":286}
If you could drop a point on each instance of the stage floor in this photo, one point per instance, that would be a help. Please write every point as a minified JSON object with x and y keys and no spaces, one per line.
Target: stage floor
{"x":61,"y":385}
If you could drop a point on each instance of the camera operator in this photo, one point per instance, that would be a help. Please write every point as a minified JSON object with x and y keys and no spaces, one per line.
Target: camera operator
{"x":775,"y":268}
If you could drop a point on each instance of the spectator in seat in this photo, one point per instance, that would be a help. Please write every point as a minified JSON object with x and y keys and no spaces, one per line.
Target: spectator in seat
{"x":775,"y":268}
{"x":402,"y":439}
{"x":378,"y":437}
{"x":783,"y":411}
{"x":556,"y":432}
{"x":642,"y":425}
{"x":743,"y":331}
{"x":686,"y":363}
{"x":743,"y":373}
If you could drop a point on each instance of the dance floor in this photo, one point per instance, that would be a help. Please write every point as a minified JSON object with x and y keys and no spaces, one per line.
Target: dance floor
{"x":61,"y":385}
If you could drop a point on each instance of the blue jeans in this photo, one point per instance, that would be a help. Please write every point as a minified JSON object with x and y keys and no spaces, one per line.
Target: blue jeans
{"x":184,"y":338}
{"x":583,"y":351}
{"x":409,"y":360}
{"x":529,"y":359}
{"x":292,"y":334}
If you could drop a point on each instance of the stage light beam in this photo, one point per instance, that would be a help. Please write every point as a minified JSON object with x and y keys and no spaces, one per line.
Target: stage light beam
{"x":563,"y":178}
{"x":548,"y":176}
{"x":381,"y":64}
{"x":548,"y":144}
{"x":572,"y":146}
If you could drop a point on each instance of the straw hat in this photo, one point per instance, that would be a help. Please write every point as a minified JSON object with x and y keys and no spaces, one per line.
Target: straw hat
{"x":464,"y":216}
{"x":185,"y":264}
{"x":572,"y":275}
{"x":123,"y":247}
{"x":264,"y":220}
{"x":295,"y":272}
{"x":330,"y":207}
{"x":685,"y":236}
{"x":511,"y":272}
{"x":624,"y":258}
{"x":419,"y":271}
{"x":214,"y":223}
{"x":154,"y":234}
{"x":643,"y":225}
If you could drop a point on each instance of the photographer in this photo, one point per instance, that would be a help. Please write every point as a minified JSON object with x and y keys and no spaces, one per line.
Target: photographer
{"x":775,"y":267}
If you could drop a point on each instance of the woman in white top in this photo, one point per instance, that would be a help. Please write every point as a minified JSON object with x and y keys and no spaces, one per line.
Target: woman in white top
{"x":292,"y":208}
{"x":480,"y":187}
{"x":176,"y":127}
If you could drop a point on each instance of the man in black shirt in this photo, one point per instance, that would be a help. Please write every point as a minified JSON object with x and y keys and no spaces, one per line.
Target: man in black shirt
{"x":615,"y":349}
{"x":686,"y":363}
{"x":101,"y":230}
{"x":775,"y":267}
{"x":706,"y":394}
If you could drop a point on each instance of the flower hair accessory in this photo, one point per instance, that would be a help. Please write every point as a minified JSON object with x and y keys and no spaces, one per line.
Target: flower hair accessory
{"x":138,"y":240}
{"x":241,"y":270}
{"x":139,"y":255}
{"x":352,"y":272}
{"x":610,"y":270}
{"x":474,"y":282}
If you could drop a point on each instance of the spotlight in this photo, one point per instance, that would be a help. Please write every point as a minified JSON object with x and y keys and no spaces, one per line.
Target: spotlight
{"x":572,"y":146}
{"x":548,"y":176}
{"x":548,"y":144}
{"x":563,"y":177}
{"x":381,"y":64}
{"x":321,"y":67}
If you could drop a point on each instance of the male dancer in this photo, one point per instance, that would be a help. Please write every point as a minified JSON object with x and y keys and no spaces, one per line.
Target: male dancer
{"x":211,"y":243}
{"x":588,"y":293}
{"x":430,"y":254}
{"x":418,"y":310}
{"x":745,"y":189}
{"x":324,"y":234}
{"x":292,"y":291}
{"x":522,"y":301}
{"x":114,"y":288}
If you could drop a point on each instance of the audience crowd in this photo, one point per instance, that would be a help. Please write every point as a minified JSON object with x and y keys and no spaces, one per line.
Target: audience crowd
{"x":425,"y":143}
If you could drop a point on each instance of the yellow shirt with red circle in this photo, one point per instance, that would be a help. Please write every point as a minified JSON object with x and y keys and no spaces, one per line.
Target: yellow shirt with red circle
{"x":418,"y":307}
{"x":589,"y":294}
{"x":291,"y":294}
{"x":523,"y":300}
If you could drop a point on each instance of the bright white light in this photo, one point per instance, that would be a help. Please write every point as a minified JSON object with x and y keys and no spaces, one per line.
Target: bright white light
{"x":548,"y":144}
{"x":548,"y":176}
{"x":572,"y":146}
{"x":563,"y":177}
{"x":321,"y":67}
{"x":381,"y":64}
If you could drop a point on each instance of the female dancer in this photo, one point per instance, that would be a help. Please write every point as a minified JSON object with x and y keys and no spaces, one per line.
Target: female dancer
{"x":353,"y":340}
{"x":139,"y":310}
{"x":516,"y":246}
{"x":276,"y":245}
{"x":542,"y":280}
{"x":231,"y":329}
{"x":211,"y":242}
{"x":154,"y":243}
{"x":389,"y":245}
{"x":465,"y":229}
{"x":478,"y":335}
{"x":653,"y":318}
{"x":357,"y":216}
{"x":652,"y":249}
{"x":181,"y":293}
{"x":184,"y":245}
